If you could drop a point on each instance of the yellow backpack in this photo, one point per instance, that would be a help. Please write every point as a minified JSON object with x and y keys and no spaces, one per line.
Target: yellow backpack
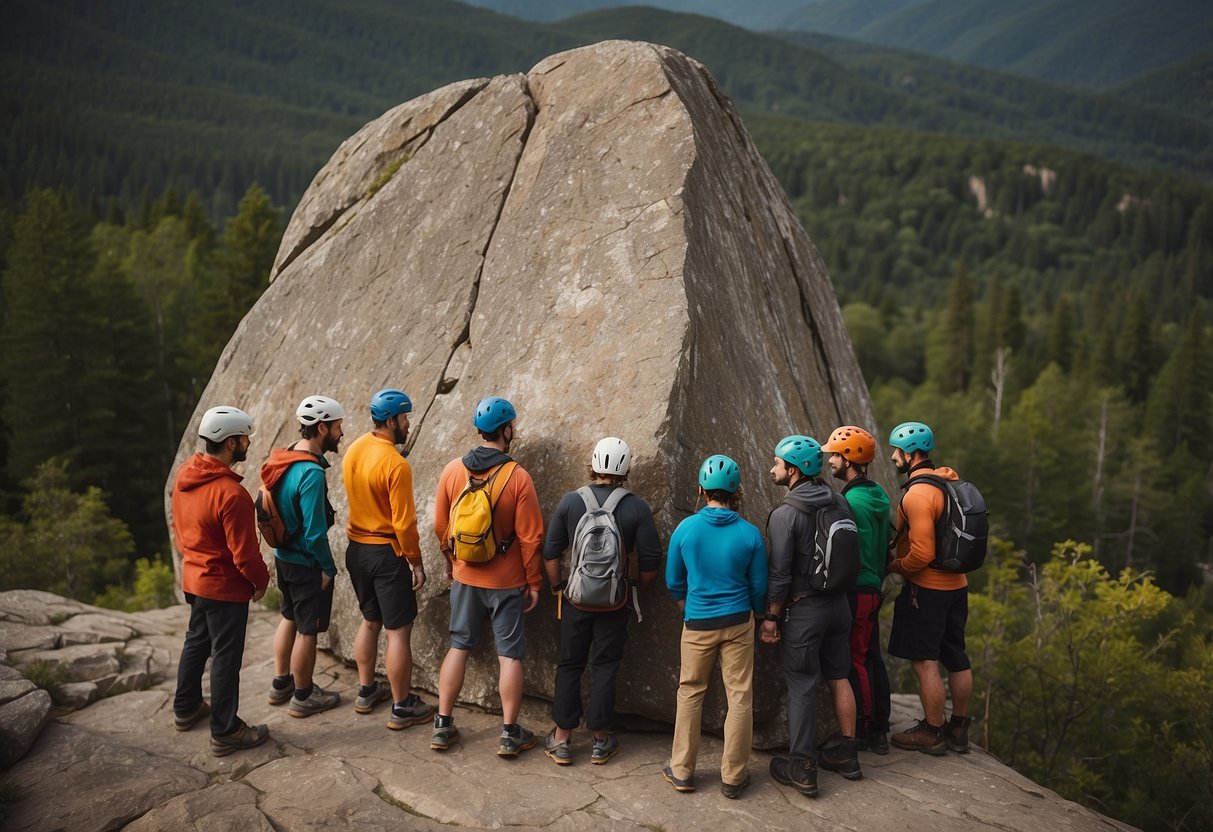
{"x":471,"y":521}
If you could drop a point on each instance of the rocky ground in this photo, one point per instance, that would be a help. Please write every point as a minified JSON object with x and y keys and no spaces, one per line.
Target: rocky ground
{"x":117,"y":763}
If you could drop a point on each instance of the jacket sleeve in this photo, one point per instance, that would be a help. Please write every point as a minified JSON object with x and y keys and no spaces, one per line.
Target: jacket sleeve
{"x":442,"y":513}
{"x":918,"y":513}
{"x":648,"y":540}
{"x":557,"y":538}
{"x":315,"y":540}
{"x":758,"y":575}
{"x":676,"y":568}
{"x":783,"y":547}
{"x":404,"y":511}
{"x":239,"y":518}
{"x":528,"y":528}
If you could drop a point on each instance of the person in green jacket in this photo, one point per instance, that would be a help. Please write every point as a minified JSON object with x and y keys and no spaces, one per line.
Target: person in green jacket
{"x":851,"y":449}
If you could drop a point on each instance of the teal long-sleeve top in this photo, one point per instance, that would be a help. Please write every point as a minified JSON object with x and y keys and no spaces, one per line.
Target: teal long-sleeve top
{"x":717,"y":563}
{"x":302,"y":500}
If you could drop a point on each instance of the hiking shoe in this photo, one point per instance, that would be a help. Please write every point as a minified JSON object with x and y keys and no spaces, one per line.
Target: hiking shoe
{"x":604,"y":749}
{"x":733,"y":790}
{"x":558,"y":750}
{"x":840,"y":754}
{"x":443,"y":736}
{"x":922,"y":737}
{"x":878,"y":743}
{"x":380,"y":692}
{"x":678,"y":783}
{"x":319,"y":700}
{"x":246,"y":736}
{"x":801,"y":775}
{"x":280,"y":696}
{"x":513,"y":744}
{"x":956,"y":734}
{"x":184,"y":722}
{"x":413,"y":711}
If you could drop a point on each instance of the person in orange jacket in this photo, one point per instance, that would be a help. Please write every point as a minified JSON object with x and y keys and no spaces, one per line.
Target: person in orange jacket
{"x":930,"y":614}
{"x":503,"y":588}
{"x":215,"y":527}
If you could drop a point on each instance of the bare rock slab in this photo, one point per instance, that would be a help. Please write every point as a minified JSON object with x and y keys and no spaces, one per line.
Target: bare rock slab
{"x":226,"y":807}
{"x":21,"y":721}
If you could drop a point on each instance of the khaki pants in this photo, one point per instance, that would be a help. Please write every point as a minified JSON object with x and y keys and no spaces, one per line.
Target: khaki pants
{"x":735,"y":646}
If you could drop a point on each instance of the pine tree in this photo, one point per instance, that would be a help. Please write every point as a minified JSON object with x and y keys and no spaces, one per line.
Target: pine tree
{"x":1060,"y":349}
{"x":958,"y":332}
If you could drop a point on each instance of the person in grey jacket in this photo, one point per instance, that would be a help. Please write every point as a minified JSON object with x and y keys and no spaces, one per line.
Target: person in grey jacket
{"x":815,"y":626}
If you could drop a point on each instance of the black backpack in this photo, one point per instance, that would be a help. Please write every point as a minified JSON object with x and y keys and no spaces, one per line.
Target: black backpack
{"x":833,"y":565}
{"x":963,"y":528}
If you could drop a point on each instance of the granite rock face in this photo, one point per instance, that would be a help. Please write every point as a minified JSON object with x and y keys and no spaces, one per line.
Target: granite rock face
{"x":598,"y":241}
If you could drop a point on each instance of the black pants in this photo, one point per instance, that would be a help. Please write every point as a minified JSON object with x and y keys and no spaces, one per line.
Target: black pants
{"x":606,"y":633}
{"x":216,"y":630}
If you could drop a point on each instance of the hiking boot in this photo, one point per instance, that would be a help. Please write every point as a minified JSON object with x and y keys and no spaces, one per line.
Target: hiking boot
{"x":878,"y":743}
{"x":513,"y":744}
{"x":733,"y":790}
{"x":319,"y":700}
{"x":922,"y":737}
{"x":246,"y":736}
{"x":558,"y":750}
{"x":801,"y":775}
{"x":443,"y":736}
{"x":840,"y":754}
{"x":604,"y":749}
{"x":380,"y":692}
{"x":280,"y":696}
{"x":412,"y":711}
{"x":678,"y":783}
{"x":956,"y":734}
{"x":184,"y":722}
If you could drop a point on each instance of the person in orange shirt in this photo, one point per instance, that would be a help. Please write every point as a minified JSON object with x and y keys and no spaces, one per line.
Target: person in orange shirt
{"x":929,"y":615}
{"x":504,"y":588}
{"x":215,"y":529}
{"x":384,"y":559}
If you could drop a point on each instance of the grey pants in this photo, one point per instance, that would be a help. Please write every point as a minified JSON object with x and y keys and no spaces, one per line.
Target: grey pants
{"x":815,"y":644}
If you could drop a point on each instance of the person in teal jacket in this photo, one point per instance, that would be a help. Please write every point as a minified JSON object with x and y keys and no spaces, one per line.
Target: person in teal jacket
{"x":305,"y":569}
{"x":716,"y":571}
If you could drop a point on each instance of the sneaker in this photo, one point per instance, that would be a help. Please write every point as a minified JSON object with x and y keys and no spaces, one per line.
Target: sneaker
{"x":878,"y":743}
{"x":443,"y":736}
{"x":184,"y":722}
{"x":801,"y":775}
{"x":413,"y":711}
{"x":956,"y":734}
{"x":246,"y":736}
{"x":380,"y":692}
{"x":320,"y":700}
{"x":679,"y":784}
{"x":839,"y":754}
{"x":604,"y":749}
{"x":280,"y":696}
{"x":558,"y":750}
{"x":733,"y":790}
{"x":922,"y":737}
{"x":513,"y":744}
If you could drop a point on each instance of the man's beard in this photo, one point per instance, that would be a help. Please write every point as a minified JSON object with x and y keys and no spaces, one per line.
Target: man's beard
{"x":329,"y":444}
{"x":902,"y":467}
{"x":401,"y":436}
{"x":239,"y":454}
{"x":839,"y":473}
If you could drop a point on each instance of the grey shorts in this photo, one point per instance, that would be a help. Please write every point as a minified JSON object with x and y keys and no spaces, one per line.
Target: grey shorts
{"x":470,"y":605}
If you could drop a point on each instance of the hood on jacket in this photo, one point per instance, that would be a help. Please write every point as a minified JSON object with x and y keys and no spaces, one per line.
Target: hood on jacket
{"x":201,"y":469}
{"x":810,"y":494}
{"x":483,"y":458}
{"x":718,"y":516}
{"x":943,"y":471}
{"x":281,"y":459}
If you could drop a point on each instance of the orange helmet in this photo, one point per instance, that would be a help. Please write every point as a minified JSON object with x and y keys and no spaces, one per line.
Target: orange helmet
{"x":853,"y":443}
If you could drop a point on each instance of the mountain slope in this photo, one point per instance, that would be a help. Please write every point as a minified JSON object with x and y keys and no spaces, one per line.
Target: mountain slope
{"x":1185,"y":87}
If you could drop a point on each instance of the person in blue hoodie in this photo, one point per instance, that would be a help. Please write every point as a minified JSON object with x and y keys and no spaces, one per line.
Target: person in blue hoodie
{"x":716,"y":572}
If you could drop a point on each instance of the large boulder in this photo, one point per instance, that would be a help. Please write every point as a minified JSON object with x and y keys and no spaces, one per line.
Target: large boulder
{"x":598,"y":241}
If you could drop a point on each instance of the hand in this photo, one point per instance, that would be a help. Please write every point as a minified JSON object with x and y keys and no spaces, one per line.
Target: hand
{"x":258,"y":594}
{"x":532,"y":598}
{"x":418,"y":575}
{"x":770,"y":632}
{"x":326,"y":581}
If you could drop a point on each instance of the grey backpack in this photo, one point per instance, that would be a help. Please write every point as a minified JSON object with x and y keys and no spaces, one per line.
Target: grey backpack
{"x":598,"y":579}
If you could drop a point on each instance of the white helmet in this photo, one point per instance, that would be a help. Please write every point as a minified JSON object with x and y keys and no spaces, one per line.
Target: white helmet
{"x":219,"y":423}
{"x":315,"y":409}
{"x":611,"y":456}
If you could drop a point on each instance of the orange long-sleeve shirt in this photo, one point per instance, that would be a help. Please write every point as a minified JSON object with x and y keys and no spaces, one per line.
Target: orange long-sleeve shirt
{"x":517,"y":512}
{"x":915,"y":520}
{"x":379,"y":487}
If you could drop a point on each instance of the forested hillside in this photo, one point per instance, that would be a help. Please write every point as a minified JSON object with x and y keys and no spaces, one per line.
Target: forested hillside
{"x":1185,"y":87}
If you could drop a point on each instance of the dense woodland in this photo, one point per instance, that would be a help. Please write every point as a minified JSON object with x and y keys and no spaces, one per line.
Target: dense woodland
{"x":1027,"y":267}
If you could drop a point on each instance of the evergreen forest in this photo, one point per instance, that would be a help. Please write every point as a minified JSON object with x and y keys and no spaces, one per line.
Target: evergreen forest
{"x":1026,"y":266}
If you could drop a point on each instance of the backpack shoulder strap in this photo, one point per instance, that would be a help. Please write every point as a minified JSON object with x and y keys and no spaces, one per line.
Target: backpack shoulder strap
{"x":496,"y":483}
{"x":587,"y":496}
{"x":615,"y":499}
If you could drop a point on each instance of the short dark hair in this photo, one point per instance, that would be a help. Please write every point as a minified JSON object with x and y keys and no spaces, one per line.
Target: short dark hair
{"x":730,"y":498}
{"x":614,"y":479}
{"x":309,"y":431}
{"x":212,"y":447}
{"x":495,"y":436}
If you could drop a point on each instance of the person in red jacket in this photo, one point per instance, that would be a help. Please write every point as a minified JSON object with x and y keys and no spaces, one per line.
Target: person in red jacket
{"x":215,"y":527}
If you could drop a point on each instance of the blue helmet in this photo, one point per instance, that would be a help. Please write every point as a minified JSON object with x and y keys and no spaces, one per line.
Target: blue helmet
{"x":719,"y":473}
{"x":387,"y":403}
{"x":911,"y":437}
{"x":802,"y":451}
{"x":492,"y":413}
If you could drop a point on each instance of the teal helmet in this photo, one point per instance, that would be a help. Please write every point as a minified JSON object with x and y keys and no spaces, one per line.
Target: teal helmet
{"x":802,"y":451}
{"x":492,"y":413}
{"x":911,"y":437}
{"x":719,"y":473}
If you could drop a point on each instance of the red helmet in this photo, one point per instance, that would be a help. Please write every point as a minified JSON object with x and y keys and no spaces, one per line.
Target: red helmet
{"x":854,"y":444}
